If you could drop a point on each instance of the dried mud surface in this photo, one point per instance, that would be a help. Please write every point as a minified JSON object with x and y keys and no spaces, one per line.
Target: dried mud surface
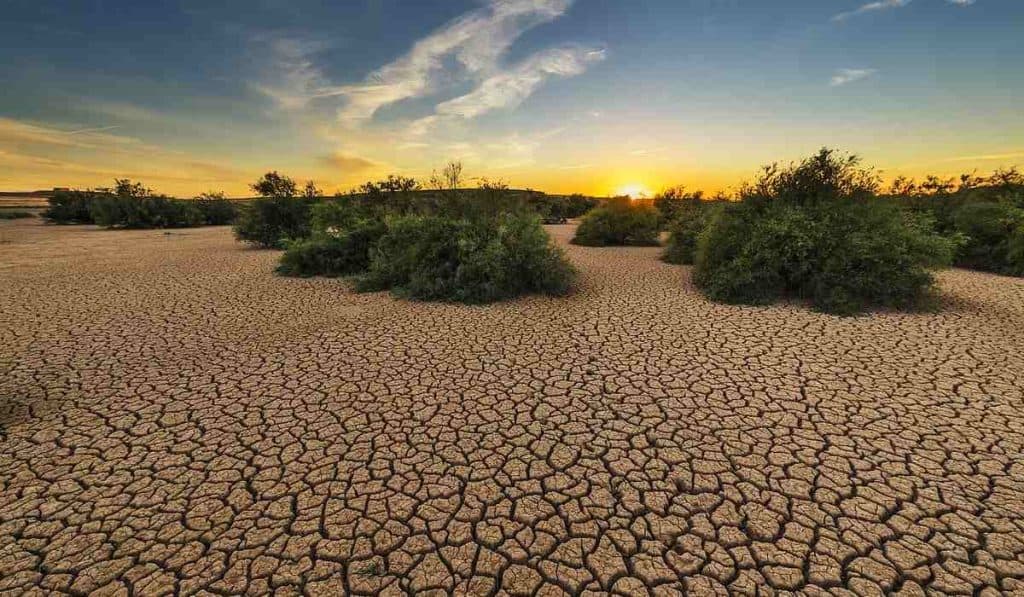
{"x":176,"y":419}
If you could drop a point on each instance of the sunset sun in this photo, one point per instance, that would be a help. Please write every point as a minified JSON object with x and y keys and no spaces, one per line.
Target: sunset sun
{"x":633,"y":190}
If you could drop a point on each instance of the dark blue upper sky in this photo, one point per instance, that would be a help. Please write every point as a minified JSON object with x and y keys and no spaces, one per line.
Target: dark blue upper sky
{"x":549,"y":93}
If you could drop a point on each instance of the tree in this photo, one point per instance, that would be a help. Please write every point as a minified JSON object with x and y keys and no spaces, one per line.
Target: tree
{"x":450,"y":177}
{"x":277,"y":185}
{"x":311,"y":191}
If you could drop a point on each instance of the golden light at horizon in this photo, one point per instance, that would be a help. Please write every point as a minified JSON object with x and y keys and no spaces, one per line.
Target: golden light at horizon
{"x":633,"y":190}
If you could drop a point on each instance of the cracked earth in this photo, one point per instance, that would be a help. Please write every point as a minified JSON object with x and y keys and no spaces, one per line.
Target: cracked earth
{"x":176,"y":419}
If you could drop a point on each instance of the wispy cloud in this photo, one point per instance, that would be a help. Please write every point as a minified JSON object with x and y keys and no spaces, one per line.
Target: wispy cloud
{"x":871,"y":7}
{"x":471,"y":47}
{"x":97,"y":129}
{"x":509,"y":88}
{"x":849,"y":75}
{"x":987,"y":157}
{"x":296,"y":77}
{"x":349,"y":163}
{"x":879,"y":5}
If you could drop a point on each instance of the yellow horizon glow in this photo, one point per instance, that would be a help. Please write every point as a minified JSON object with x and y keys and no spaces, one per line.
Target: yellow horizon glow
{"x":634,"y":190}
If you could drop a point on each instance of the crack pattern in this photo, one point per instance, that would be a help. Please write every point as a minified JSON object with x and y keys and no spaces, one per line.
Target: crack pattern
{"x":177,"y":420}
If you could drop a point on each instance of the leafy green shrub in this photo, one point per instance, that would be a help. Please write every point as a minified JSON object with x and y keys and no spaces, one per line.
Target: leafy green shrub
{"x":674,"y":202}
{"x":990,"y":231}
{"x":16,"y":215}
{"x":332,"y":255}
{"x":216,"y":209}
{"x":619,"y":222}
{"x":555,"y":209}
{"x":268,"y":222}
{"x":278,"y":215}
{"x":1015,"y":252}
{"x":70,"y":207}
{"x":689,"y":221}
{"x":467,"y":260}
{"x":815,"y":232}
{"x":117,"y":211}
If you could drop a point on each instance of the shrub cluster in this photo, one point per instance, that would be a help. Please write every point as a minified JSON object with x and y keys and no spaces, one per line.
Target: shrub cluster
{"x":815,"y":231}
{"x":72,"y":207}
{"x":280,"y":215}
{"x":333,"y":254}
{"x":619,"y":222}
{"x":120,"y":211}
{"x":132,"y":205}
{"x":479,"y":260}
{"x":992,"y":237}
{"x":216,"y":209}
{"x":474,"y":246}
{"x":15,"y":214}
{"x":556,"y":209}
{"x":985,"y":214}
{"x":689,"y":219}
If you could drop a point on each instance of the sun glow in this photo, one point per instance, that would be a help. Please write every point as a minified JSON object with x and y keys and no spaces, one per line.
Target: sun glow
{"x":634,"y":190}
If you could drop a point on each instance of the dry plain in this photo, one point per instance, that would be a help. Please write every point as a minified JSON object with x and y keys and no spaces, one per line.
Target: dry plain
{"x":174,"y":418}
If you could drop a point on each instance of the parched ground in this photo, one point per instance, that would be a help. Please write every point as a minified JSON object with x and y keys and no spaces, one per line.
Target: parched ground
{"x":175,"y":418}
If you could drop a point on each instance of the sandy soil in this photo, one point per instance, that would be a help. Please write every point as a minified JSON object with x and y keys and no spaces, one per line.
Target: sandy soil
{"x":175,"y":418}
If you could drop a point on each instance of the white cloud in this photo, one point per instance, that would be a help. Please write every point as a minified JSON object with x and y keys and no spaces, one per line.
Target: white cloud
{"x":871,"y":7}
{"x":849,"y":75}
{"x":477,"y":41}
{"x":507,"y":89}
{"x":886,"y":5}
{"x":470,"y":47}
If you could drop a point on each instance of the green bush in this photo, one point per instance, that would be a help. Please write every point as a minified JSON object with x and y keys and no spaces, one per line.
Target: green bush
{"x":117,"y":211}
{"x":332,"y":255}
{"x":689,"y":221}
{"x":468,"y":260}
{"x":269,"y":222}
{"x":16,"y":215}
{"x":989,"y":231}
{"x":216,"y":209}
{"x":70,"y":207}
{"x":619,"y":222}
{"x":280,"y":214}
{"x":815,"y":232}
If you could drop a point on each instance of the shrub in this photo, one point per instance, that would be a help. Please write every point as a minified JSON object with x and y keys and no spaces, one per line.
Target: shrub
{"x":278,"y":215}
{"x":815,"y":232}
{"x":332,"y":255}
{"x":16,"y":215}
{"x":991,"y":236}
{"x":690,"y":220}
{"x":70,"y":207}
{"x":120,"y":211}
{"x":268,"y":222}
{"x":618,"y":222}
{"x":467,"y":260}
{"x":675,"y":202}
{"x":216,"y":209}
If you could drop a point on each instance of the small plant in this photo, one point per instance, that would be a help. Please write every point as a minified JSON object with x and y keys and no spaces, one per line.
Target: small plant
{"x":619,"y":222}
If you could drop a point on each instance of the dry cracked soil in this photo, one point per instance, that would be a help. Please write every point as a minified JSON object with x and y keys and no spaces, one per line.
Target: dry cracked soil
{"x":174,"y":418}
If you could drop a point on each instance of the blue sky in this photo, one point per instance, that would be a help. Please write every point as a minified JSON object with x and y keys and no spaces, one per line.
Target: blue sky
{"x":561,"y":95}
